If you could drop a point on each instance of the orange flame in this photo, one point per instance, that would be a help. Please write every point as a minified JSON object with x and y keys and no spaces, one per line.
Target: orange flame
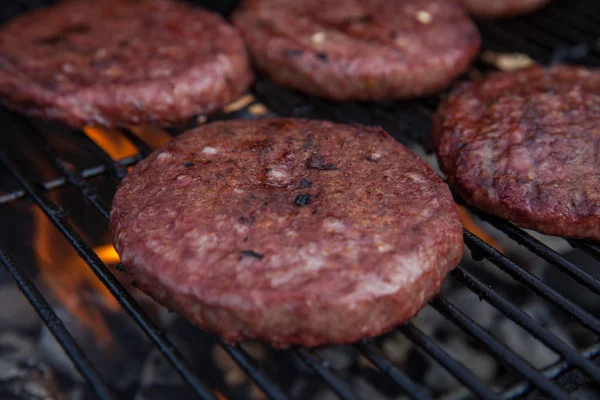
{"x":70,"y":280}
{"x":112,"y":141}
{"x":471,"y":225}
{"x":107,"y":254}
{"x":63,"y":272}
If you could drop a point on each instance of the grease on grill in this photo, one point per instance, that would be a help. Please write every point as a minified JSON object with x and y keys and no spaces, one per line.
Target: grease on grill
{"x":252,"y":253}
{"x":317,"y":161}
{"x":302,"y":200}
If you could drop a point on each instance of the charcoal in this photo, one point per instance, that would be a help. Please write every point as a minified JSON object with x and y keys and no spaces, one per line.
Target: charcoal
{"x":22,"y":374}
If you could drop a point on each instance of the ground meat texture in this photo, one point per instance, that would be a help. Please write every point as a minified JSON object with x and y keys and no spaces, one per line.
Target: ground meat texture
{"x":360,"y":49}
{"x":524,"y":146}
{"x":502,"y":8}
{"x":121,"y":62}
{"x":253,"y":242}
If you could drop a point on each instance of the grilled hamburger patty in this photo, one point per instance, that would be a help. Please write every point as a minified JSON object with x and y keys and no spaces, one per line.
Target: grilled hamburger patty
{"x":357,"y":49}
{"x":286,"y":230}
{"x":121,"y":62}
{"x":502,"y":8}
{"x":524,"y":146}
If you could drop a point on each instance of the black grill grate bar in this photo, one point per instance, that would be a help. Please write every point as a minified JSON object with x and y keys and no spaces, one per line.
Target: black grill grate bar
{"x":552,"y":26}
{"x":243,"y":360}
{"x":55,"y":325}
{"x":58,"y":182}
{"x":510,"y":40}
{"x":557,"y":372}
{"x":236,"y":353}
{"x":72,"y":177}
{"x":527,"y":323}
{"x":479,"y":247}
{"x":590,"y":248}
{"x":380,"y":361}
{"x":568,"y":16}
{"x":142,"y":147}
{"x":128,"y":303}
{"x":457,"y":369}
{"x":545,"y":252}
{"x":118,"y":168}
{"x":502,"y":352}
{"x":323,"y":369}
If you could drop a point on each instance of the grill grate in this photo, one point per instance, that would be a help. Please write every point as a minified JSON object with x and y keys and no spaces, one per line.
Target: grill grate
{"x":565,"y":31}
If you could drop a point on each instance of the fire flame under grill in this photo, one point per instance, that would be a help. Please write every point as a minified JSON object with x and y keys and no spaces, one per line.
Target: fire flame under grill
{"x":80,"y":276}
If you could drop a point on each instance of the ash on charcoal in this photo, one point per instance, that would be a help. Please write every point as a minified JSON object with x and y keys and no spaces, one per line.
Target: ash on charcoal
{"x":118,"y":360}
{"x":472,"y":355}
{"x":17,"y":313}
{"x":22,"y":375}
{"x":339,"y":357}
{"x":552,"y":276}
{"x":437,"y":379}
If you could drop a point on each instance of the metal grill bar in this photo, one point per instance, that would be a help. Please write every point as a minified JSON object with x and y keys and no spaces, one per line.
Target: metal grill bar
{"x":55,"y":183}
{"x":480,"y":247}
{"x":390,"y":115}
{"x":236,"y":353}
{"x":590,"y":248}
{"x":143,"y":148}
{"x":243,"y":360}
{"x":502,"y":353}
{"x":239,"y":356}
{"x":458,"y":370}
{"x":528,"y":323}
{"x":539,"y":248}
{"x":112,"y":284}
{"x":379,"y":360}
{"x":71,"y":177}
{"x":55,"y":325}
{"x":323,"y":369}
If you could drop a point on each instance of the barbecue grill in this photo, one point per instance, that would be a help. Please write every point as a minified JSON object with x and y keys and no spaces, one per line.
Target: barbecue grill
{"x":565,"y":31}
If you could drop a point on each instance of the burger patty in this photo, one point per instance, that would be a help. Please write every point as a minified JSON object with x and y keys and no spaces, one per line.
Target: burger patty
{"x":286,"y":230}
{"x":121,"y":62}
{"x":502,"y":8}
{"x":524,"y":146}
{"x":360,"y":49}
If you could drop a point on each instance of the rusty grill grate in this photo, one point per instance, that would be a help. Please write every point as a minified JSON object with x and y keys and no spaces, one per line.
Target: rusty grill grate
{"x":563,"y":32}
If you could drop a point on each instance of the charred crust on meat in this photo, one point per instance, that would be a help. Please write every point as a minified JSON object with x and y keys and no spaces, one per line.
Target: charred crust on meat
{"x":302,"y":200}
{"x":305,"y":183}
{"x":65,"y":33}
{"x":121,"y":268}
{"x":323,"y":57}
{"x":252,"y":253}
{"x":317,"y":161}
{"x":189,"y":164}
